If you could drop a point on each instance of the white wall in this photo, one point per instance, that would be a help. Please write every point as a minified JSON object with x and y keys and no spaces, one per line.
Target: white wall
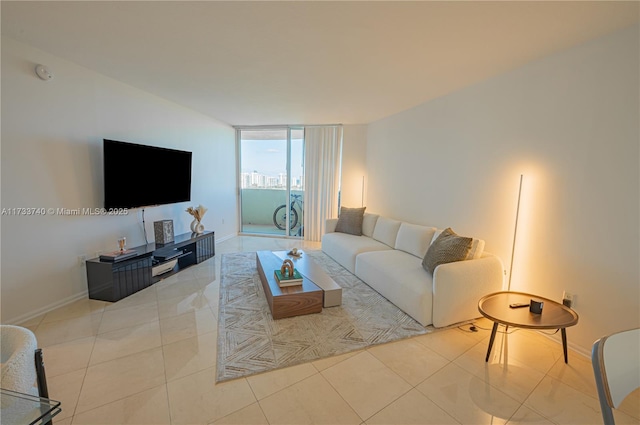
{"x":354,"y":165}
{"x":569,"y":123}
{"x":52,"y":157}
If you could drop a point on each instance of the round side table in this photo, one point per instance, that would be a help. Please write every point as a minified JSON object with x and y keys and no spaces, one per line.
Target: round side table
{"x":554,"y":315}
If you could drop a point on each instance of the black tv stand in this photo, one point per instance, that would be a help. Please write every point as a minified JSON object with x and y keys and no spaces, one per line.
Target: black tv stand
{"x":159,"y":258}
{"x":113,"y":281}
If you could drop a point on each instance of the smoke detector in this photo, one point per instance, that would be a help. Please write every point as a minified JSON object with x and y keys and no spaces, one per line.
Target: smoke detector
{"x":43,"y":72}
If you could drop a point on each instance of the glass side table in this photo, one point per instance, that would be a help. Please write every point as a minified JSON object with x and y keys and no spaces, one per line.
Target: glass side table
{"x":26,"y":409}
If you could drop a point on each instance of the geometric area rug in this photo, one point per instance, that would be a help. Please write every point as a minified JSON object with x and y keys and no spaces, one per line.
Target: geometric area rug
{"x":250,"y":341}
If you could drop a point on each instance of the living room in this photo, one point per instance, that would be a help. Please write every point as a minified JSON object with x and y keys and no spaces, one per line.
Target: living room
{"x":566,"y":119}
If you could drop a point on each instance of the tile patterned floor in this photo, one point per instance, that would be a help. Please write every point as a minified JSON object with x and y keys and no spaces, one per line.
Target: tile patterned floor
{"x":150,"y":359}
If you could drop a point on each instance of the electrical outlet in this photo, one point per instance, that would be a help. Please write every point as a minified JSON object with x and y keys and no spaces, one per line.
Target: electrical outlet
{"x":567,"y":298}
{"x":82,"y":259}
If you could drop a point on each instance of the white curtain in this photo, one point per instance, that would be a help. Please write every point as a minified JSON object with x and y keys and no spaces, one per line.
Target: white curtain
{"x":323,"y":148}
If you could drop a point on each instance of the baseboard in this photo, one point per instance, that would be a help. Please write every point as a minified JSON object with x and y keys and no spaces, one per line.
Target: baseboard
{"x":556,"y":338}
{"x":224,"y":238}
{"x":33,"y":314}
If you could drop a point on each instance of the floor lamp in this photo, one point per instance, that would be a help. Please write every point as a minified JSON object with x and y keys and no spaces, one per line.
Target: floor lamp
{"x":515,"y":233}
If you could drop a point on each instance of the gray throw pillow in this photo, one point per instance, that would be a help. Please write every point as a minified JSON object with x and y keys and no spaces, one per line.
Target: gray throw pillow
{"x":447,"y":248}
{"x":350,"y":220}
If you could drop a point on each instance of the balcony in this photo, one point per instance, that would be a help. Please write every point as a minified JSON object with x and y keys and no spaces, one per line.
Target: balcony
{"x":258,"y":207}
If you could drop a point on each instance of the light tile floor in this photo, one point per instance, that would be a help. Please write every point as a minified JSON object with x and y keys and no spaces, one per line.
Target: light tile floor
{"x":150,"y":359}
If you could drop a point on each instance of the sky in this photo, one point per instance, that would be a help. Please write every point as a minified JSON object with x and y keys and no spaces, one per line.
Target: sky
{"x":269,"y":157}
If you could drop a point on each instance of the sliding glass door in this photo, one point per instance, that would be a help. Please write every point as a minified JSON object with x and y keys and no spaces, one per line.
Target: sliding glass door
{"x":271,"y":180}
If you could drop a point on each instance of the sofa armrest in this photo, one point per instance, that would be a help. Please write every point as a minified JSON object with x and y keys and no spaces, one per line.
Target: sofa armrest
{"x":458,"y":286}
{"x":330,"y":225}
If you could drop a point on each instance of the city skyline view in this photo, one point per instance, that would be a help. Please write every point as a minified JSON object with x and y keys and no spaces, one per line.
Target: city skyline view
{"x":255,"y":180}
{"x":264,"y":164}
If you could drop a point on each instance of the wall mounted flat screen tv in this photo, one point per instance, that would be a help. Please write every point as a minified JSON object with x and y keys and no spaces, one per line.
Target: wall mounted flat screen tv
{"x":141,"y":176}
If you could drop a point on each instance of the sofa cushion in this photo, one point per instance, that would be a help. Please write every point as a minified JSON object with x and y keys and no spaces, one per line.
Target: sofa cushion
{"x":344,"y":248}
{"x":447,"y":248}
{"x":400,"y":278}
{"x":330,"y":225}
{"x":369,"y":223}
{"x":386,"y":231}
{"x":350,"y":220}
{"x":414,"y":239}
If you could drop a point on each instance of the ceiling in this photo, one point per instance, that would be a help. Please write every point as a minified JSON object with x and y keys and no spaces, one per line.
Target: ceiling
{"x":257,"y":63}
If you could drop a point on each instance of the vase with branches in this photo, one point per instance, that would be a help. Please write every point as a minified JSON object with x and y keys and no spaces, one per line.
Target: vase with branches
{"x":196,"y":226}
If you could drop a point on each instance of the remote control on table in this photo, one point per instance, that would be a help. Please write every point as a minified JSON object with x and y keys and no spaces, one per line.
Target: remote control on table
{"x":519,"y":305}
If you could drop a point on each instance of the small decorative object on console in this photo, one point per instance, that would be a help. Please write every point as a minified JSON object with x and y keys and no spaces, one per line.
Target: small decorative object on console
{"x":118,"y":255}
{"x":163,"y":231}
{"x":295,"y":253}
{"x":197,"y":213}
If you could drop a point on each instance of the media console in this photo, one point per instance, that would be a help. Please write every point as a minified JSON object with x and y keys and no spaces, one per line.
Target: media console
{"x":113,"y":281}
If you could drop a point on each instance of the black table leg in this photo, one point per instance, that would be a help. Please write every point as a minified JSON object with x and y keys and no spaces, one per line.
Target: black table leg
{"x":493,"y":336}
{"x":564,"y":345}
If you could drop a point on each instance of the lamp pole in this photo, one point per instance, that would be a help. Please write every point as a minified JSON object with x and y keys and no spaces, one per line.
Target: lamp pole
{"x":515,"y":233}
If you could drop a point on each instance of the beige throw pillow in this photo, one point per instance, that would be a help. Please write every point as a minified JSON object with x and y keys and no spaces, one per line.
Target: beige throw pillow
{"x":350,"y":220}
{"x":447,"y":248}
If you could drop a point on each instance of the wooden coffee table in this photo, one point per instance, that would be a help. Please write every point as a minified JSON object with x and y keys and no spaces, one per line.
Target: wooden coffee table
{"x":289,"y":301}
{"x":554,"y":315}
{"x":311,"y":270}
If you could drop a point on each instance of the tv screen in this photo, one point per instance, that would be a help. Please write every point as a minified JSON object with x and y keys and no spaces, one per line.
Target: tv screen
{"x":140,"y":176}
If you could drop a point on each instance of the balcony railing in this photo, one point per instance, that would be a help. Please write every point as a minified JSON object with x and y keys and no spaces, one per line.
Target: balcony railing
{"x":258,"y":206}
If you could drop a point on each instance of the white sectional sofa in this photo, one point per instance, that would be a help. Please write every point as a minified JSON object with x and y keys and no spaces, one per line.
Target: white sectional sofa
{"x":388,"y":257}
